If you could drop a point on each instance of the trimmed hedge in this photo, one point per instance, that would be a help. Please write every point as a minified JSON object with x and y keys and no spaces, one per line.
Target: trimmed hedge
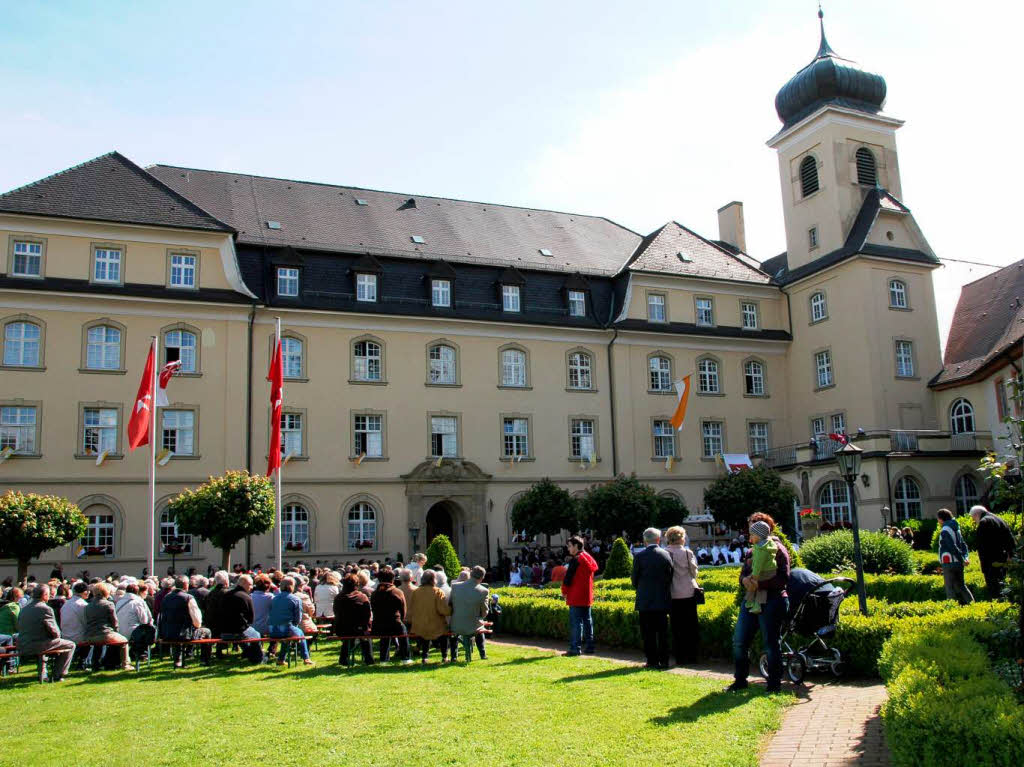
{"x":969,"y":531}
{"x":620,"y":561}
{"x":834,"y":551}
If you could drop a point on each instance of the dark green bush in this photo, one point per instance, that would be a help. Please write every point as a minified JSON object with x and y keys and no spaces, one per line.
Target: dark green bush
{"x":441,"y":552}
{"x":620,"y":561}
{"x":834,"y":551}
{"x":969,"y":531}
{"x":923,"y":529}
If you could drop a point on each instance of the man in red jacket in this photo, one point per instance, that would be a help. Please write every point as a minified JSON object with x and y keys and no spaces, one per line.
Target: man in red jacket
{"x":578,"y":589}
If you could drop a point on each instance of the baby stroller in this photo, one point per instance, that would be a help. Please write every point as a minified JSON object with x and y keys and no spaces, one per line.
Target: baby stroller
{"x":814,"y":612}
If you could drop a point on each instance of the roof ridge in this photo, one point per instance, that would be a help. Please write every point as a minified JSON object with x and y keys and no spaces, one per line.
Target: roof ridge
{"x":55,"y":174}
{"x":990,"y":274}
{"x":718,"y":247}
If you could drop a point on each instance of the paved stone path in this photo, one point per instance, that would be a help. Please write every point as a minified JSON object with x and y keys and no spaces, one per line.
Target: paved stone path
{"x":831,"y":724}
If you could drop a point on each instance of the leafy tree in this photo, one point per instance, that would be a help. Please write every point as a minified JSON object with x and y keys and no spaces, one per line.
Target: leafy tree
{"x":620,"y":561}
{"x":441,"y":552}
{"x":672,"y":511}
{"x":734,"y":497}
{"x":224,"y":510}
{"x":31,"y":524}
{"x":624,"y":505}
{"x":545,"y":509}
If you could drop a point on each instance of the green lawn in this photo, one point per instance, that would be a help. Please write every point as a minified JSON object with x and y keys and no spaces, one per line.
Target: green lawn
{"x":519,"y":707}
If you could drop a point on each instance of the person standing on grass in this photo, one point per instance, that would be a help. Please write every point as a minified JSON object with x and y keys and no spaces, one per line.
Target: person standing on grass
{"x":470,"y":601}
{"x":578,"y":590}
{"x":685,"y":628}
{"x":652,"y":579}
{"x":953,"y":556}
{"x":995,"y":544}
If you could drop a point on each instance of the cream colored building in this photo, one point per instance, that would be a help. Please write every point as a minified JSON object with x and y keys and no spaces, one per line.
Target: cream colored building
{"x":442,"y":355}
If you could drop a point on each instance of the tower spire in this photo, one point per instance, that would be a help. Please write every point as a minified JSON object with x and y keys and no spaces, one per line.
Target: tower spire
{"x":824,"y":49}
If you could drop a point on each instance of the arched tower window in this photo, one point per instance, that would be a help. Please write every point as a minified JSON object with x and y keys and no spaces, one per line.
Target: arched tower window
{"x":808,"y":176}
{"x":867,"y":170}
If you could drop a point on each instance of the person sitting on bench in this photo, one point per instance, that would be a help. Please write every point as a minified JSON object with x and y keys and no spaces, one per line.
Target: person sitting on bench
{"x":180,"y":620}
{"x":284,"y":618}
{"x":38,"y":633}
{"x":101,"y":624}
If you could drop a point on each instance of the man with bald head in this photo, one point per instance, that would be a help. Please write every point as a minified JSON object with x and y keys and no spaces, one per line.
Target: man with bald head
{"x":652,"y":579}
{"x":38,"y":633}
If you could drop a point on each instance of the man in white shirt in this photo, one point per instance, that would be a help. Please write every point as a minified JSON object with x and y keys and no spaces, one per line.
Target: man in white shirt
{"x":132,"y":610}
{"x":416,"y":566}
{"x":72,"y":614}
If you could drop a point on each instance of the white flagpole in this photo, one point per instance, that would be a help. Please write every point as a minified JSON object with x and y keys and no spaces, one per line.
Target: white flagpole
{"x":152,"y":463}
{"x":277,"y":479}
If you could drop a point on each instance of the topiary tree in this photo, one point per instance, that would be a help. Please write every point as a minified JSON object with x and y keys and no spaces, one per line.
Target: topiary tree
{"x":620,"y":561}
{"x":735,"y":497}
{"x":624,"y":505}
{"x":226,"y":509}
{"x":833,"y":552}
{"x":672,"y":510}
{"x":31,"y":524}
{"x":545,"y":509}
{"x":441,"y":552}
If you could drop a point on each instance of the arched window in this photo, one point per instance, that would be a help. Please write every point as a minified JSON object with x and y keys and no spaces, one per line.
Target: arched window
{"x":295,"y":527}
{"x":367,"y":361}
{"x":442,"y":365}
{"x":897,"y":294}
{"x":171,"y":536}
{"x":753,"y":378}
{"x":834,"y":502}
{"x":966,"y":493}
{"x":99,"y":532}
{"x":867,"y":170}
{"x":808,"y":176}
{"x":961,"y":417}
{"x":513,"y":367}
{"x":362,"y":526}
{"x":907,"y":496}
{"x":579,"y":371}
{"x":660,"y":373}
{"x":103,"y":348}
{"x":22,"y":344}
{"x":819,"y":307}
{"x":707,"y":377}
{"x":291,"y":357}
{"x":181,"y":345}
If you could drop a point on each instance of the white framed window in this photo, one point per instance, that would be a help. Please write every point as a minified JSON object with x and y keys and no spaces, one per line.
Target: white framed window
{"x":103,"y":348}
{"x":907,"y":497}
{"x":366,"y":287}
{"x":510,"y":298}
{"x":966,"y":493}
{"x":444,"y":436}
{"x":287,"y":281}
{"x":707,"y":377}
{"x":823,"y":368}
{"x":753,"y":378}
{"x":181,"y":345}
{"x":660,"y":369}
{"x":367,"y":357}
{"x":961,"y":417}
{"x":664,"y":439}
{"x":183,"y":270}
{"x":904,"y":359}
{"x":295,"y":527}
{"x":749,"y":312}
{"x":28,"y":259}
{"x":819,"y":307}
{"x":442,"y":364}
{"x":812,"y":238}
{"x":362,"y":526}
{"x":711,"y":436}
{"x":838,"y":421}
{"x":291,"y":357}
{"x":577,"y":303}
{"x":170,"y":535}
{"x":579,"y":371}
{"x":656,"y":308}
{"x":22,"y":344}
{"x":291,"y":434}
{"x":705,"y":312}
{"x":18,"y":429}
{"x":897,"y":294}
{"x":106,"y":265}
{"x":368,"y":436}
{"x":581,"y":438}
{"x":178,"y":431}
{"x":99,"y":533}
{"x":817,"y":427}
{"x":99,"y":432}
{"x":513,"y":367}
{"x":757,"y":438}
{"x":441,"y":292}
{"x":834,"y":502}
{"x":515,"y":437}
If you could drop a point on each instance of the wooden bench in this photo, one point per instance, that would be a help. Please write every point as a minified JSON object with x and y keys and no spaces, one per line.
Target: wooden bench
{"x":290,"y":656}
{"x":11,"y":657}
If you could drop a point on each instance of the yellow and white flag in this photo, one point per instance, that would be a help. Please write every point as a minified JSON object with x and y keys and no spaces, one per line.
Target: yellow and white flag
{"x":6,"y":453}
{"x":683,"y":390}
{"x":102,"y":457}
{"x":670,"y":462}
{"x":360,"y":459}
{"x":439,"y":461}
{"x":164,"y":457}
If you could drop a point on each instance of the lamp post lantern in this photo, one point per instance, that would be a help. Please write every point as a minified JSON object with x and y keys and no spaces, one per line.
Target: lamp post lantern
{"x":849,"y":457}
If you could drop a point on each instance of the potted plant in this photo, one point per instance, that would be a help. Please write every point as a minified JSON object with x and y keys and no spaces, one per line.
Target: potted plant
{"x":95,"y":551}
{"x":293,"y":546}
{"x":810,"y":523}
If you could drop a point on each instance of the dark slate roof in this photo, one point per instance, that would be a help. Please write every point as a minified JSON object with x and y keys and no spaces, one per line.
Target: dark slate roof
{"x":692,"y":329}
{"x":988,"y":321}
{"x":109,"y":188}
{"x":856,"y":243}
{"x":326,"y":217}
{"x":133,"y":290}
{"x":662,"y":249}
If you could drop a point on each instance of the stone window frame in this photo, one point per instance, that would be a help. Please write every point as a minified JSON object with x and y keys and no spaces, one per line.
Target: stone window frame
{"x":301,"y":411}
{"x":923,"y":491}
{"x":913,"y":359}
{"x":810,"y":306}
{"x":700,"y":435}
{"x":671,"y":372}
{"x":298,"y":499}
{"x":35,"y":240}
{"x":597,"y":436}
{"x":647,"y":306}
{"x":38,"y":405}
{"x":296,"y":336}
{"x":352,"y":361}
{"x":116,"y":510}
{"x":764,"y":377}
{"x":119,"y":246}
{"x":696,"y":311}
{"x":458,"y":363}
{"x":768,"y":423}
{"x":721,"y":375}
{"x":593,"y":368}
{"x":118,"y":453}
{"x":184,"y":252}
{"x":199,"y":344}
{"x":379,"y":514}
{"x":798,"y":163}
{"x":104,"y":322}
{"x":757,"y":314}
{"x":814,"y":368}
{"x":41,"y":324}
{"x":530,"y":455}
{"x":459,"y":445}
{"x":196,"y":455}
{"x":675,"y":439}
{"x":352,"y":413}
{"x":906,"y":293}
{"x":162,"y":507}
{"x":528,"y":382}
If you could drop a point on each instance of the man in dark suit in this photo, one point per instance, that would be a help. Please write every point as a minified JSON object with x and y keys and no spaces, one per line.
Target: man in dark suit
{"x":652,"y":579}
{"x":236,"y":617}
{"x":38,"y":633}
{"x":995,"y":543}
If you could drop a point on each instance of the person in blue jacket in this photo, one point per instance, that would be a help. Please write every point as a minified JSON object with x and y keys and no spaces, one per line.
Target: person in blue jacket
{"x":953,"y":556}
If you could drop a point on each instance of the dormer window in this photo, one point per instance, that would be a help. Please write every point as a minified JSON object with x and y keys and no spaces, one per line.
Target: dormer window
{"x":510,"y":298}
{"x":366,"y":287}
{"x":577,"y":303}
{"x":441,"y":292}
{"x":287,"y":281}
{"x":867,"y":169}
{"x":808,"y":176}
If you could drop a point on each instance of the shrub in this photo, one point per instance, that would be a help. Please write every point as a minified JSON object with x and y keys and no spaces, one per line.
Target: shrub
{"x":923,"y":529}
{"x":834,"y":551}
{"x":795,"y":560}
{"x":969,"y":531}
{"x":620,"y":561}
{"x":31,"y":524}
{"x":441,"y":552}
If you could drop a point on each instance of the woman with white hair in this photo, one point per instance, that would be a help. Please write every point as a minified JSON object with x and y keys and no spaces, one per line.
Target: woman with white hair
{"x":323,"y":596}
{"x":683,"y":613}
{"x":365,"y":585}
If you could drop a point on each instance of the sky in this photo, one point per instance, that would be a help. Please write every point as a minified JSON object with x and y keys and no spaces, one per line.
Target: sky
{"x":641,"y":112}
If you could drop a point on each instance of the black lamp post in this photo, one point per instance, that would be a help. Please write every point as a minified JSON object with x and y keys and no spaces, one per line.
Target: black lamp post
{"x":848,"y":457}
{"x":414,"y":532}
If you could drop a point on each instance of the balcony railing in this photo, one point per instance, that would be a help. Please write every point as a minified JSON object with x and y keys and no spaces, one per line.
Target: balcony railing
{"x":779,"y":456}
{"x":903,"y":442}
{"x":965,"y":441}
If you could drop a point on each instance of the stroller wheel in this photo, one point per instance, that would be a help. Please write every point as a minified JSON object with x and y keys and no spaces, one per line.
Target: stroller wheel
{"x":796,"y":668}
{"x":838,"y":668}
{"x":762,"y":665}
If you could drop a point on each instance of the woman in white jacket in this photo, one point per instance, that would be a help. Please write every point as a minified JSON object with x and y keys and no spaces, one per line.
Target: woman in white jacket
{"x":685,"y":629}
{"x":323,"y":596}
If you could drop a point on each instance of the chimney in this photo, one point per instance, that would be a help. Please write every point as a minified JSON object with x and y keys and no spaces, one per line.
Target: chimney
{"x":730,"y":225}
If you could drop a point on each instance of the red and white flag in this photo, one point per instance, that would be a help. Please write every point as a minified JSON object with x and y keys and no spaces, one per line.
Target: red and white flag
{"x":276,"y":377}
{"x":163,"y":379}
{"x":138,"y":424}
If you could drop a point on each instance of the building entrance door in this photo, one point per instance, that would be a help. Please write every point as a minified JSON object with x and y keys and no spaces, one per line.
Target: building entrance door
{"x":441,"y":521}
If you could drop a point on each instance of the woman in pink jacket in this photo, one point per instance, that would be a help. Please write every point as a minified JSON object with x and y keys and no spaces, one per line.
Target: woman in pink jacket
{"x":685,"y":628}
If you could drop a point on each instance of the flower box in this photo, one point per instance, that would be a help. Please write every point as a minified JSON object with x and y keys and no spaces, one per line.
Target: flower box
{"x":294,"y":546}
